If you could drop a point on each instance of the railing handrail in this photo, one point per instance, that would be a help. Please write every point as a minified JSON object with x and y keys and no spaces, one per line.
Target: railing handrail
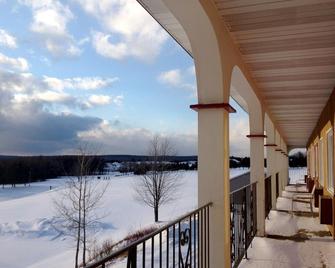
{"x":240,"y":175}
{"x":124,"y":249}
{"x":245,"y":186}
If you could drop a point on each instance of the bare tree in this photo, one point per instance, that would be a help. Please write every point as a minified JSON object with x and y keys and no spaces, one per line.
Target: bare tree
{"x":78,"y":203}
{"x":159,"y":185}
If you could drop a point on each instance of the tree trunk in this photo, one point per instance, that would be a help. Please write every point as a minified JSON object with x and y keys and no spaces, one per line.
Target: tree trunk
{"x":79,"y":225}
{"x":156,"y":213}
{"x":84,"y":223}
{"x":77,"y":247}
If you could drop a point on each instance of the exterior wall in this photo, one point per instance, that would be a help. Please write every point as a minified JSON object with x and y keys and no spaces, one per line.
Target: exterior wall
{"x":318,"y":140}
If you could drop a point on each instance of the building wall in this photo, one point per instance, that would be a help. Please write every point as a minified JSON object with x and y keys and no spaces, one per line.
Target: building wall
{"x":318,"y":150}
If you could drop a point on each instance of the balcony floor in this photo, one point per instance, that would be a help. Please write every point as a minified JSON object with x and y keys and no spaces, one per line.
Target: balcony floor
{"x":292,"y":240}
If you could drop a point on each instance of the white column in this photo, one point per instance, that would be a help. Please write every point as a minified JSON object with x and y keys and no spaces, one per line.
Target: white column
{"x":271,"y":158}
{"x":256,"y":119}
{"x":213,"y":72}
{"x":284,"y":164}
{"x":213,"y":182}
{"x":279,"y":164}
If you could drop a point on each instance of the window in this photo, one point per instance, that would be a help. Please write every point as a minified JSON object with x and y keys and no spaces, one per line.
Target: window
{"x":330,"y":162}
{"x":313,"y":162}
{"x":321,"y":164}
{"x":317,"y":159}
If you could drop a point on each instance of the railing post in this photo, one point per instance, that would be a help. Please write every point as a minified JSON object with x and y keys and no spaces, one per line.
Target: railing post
{"x":132,"y":257}
{"x":245,"y":224}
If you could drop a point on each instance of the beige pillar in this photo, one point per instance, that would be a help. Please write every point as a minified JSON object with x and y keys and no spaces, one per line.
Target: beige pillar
{"x":284,"y":164}
{"x":213,"y":183}
{"x":271,"y":157}
{"x":256,"y":119}
{"x":213,"y":73}
{"x":279,"y":164}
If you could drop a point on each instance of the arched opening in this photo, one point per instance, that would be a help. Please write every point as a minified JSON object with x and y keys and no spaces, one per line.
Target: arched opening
{"x":298,"y":165}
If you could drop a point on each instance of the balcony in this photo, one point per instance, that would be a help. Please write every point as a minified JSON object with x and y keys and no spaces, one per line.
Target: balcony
{"x":292,"y":239}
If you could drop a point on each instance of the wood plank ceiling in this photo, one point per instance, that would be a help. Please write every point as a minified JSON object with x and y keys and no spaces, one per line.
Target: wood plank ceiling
{"x":289,"y":47}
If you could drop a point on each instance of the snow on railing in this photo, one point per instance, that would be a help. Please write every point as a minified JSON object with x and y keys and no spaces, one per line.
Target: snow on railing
{"x":181,"y":243}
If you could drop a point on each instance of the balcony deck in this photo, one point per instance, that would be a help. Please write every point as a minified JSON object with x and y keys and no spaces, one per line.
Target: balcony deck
{"x":296,"y":240}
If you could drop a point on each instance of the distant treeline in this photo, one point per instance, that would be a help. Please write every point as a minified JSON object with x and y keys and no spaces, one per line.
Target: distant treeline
{"x":22,"y":170}
{"x":239,"y":162}
{"x":299,"y":159}
{"x":140,"y":168}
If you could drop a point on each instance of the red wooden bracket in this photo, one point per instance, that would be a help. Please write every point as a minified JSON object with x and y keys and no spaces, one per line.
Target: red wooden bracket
{"x":226,"y":106}
{"x":270,"y":145}
{"x":257,"y":136}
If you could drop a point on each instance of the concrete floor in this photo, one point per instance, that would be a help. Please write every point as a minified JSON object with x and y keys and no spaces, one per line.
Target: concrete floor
{"x":297,"y":240}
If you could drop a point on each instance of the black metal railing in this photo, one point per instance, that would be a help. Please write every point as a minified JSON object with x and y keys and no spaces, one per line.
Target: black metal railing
{"x":277,"y":185}
{"x":182,"y":243}
{"x":243,"y":221}
{"x":268,"y":196}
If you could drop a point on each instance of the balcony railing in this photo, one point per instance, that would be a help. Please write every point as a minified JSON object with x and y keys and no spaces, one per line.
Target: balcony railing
{"x":243,"y":221}
{"x":185,"y":242}
{"x":268,"y":196}
{"x":182,"y":243}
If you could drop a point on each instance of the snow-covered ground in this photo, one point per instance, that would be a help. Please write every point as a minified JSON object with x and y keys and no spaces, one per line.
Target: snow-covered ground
{"x":294,"y":240}
{"x":296,"y":175}
{"x":27,"y":238}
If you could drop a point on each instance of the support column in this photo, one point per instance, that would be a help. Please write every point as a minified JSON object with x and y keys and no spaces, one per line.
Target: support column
{"x":284,"y":164}
{"x":279,"y":164}
{"x":213,"y":183}
{"x":257,"y":175}
{"x":271,"y":158}
{"x":256,"y":121}
{"x":213,"y":63}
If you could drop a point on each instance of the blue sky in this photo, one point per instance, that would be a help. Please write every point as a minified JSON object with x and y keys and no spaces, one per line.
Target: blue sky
{"x":102,"y":72}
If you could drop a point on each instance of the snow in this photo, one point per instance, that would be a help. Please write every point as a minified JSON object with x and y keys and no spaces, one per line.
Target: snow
{"x":27,"y":218}
{"x":27,"y":236}
{"x":282,"y":247}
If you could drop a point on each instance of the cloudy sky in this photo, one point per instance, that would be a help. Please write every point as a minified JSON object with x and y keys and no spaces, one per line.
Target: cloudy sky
{"x":102,"y":72}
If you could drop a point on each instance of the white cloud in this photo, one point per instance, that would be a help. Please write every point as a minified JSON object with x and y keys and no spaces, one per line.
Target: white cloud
{"x":7,"y":40}
{"x":104,"y":47}
{"x":178,"y":78}
{"x":100,"y":99}
{"x":172,"y":77}
{"x":191,"y":70}
{"x":239,"y":128}
{"x":21,"y":90}
{"x":50,"y":19}
{"x":83,"y":41}
{"x":125,"y":140}
{"x":46,"y":96}
{"x":20,"y":64}
{"x":85,"y":83}
{"x":128,"y":30}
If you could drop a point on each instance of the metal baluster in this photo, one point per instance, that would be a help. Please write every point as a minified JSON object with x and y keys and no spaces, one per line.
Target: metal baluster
{"x":205,"y":238}
{"x":132,"y":257}
{"x":167,"y":248}
{"x":194,"y":240}
{"x":160,"y":249}
{"x":179,"y":251}
{"x":174,"y":245}
{"x":207,"y":208}
{"x":143,"y":254}
{"x":190,"y":220}
{"x":152,"y":251}
{"x":245,"y":224}
{"x":198,"y":239}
